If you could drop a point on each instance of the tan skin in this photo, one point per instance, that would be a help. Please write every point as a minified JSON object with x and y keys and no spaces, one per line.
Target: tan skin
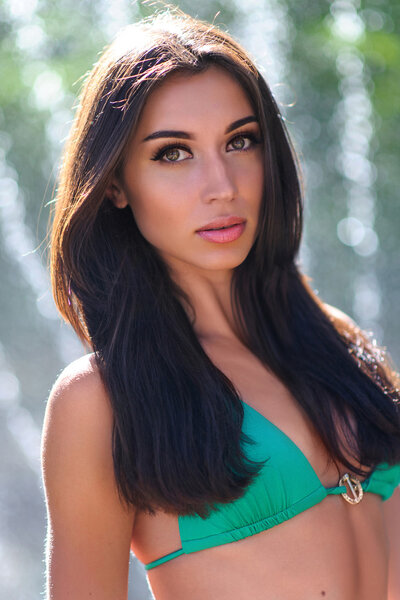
{"x":333,"y":550}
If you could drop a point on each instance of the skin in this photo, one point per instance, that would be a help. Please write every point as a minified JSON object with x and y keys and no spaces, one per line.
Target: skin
{"x":333,"y":550}
{"x":214,"y":179}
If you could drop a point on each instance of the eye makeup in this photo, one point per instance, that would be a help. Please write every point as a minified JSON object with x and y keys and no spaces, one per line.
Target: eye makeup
{"x":160,"y":152}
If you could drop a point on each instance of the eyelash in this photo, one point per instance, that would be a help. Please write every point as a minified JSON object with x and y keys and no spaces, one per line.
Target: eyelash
{"x":159,"y":153}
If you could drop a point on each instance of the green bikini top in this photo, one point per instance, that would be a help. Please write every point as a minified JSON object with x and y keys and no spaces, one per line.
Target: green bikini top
{"x":286,"y":486}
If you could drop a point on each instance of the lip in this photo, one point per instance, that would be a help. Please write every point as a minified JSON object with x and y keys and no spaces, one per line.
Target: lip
{"x":223,"y":236}
{"x":219,"y":222}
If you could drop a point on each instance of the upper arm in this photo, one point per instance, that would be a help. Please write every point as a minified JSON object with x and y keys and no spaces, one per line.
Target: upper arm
{"x":391,"y":511}
{"x":89,"y":529}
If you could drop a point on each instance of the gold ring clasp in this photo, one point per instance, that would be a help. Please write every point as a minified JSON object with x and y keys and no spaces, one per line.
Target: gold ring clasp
{"x":355,"y":488}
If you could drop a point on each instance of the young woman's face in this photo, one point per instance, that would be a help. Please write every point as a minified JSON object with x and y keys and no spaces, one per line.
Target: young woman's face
{"x":195,"y":165}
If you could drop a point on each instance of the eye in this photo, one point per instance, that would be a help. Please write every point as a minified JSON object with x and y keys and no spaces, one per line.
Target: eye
{"x":239,"y":142}
{"x":170,"y":152}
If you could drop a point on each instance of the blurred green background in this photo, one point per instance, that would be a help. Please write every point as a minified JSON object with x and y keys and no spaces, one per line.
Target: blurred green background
{"x":333,"y":66}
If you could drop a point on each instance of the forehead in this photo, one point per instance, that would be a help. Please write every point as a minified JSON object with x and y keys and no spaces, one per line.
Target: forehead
{"x":210,"y":95}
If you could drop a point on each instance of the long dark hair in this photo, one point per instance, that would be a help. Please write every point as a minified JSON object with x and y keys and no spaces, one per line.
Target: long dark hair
{"x":177,"y":439}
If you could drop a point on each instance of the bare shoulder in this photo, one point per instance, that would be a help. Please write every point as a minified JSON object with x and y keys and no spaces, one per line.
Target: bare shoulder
{"x":89,"y":527}
{"x":77,"y":425}
{"x":79,"y":383}
{"x":77,"y":395}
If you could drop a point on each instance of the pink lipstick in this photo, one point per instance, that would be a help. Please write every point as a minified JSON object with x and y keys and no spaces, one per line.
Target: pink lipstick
{"x":223,"y":229}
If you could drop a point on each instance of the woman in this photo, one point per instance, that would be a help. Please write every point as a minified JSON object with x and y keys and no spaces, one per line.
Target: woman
{"x":235,"y":432}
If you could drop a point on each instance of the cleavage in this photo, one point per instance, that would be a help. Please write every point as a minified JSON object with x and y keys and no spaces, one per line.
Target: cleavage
{"x":261,"y":389}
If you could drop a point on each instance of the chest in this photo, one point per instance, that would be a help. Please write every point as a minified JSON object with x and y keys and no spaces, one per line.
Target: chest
{"x":263,"y":391}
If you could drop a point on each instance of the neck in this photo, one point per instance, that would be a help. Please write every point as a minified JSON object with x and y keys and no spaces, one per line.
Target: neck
{"x":209,"y":293}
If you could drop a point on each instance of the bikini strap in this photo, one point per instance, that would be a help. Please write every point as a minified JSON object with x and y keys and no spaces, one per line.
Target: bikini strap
{"x":163,"y":559}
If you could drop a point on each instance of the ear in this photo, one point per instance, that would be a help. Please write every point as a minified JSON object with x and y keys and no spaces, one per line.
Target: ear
{"x":116,"y":193}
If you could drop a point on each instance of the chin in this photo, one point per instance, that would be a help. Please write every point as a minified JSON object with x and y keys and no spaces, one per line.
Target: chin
{"x":217,"y":259}
{"x":219,"y":263}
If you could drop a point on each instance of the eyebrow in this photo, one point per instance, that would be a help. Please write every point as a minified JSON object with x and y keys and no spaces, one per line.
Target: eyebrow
{"x":168,"y":133}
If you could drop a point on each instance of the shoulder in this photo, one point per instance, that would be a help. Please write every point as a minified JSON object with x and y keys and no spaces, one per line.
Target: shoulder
{"x":77,"y":441}
{"x":79,"y":392}
{"x":89,"y":527}
{"x":80,"y":376}
{"x":78,"y":419}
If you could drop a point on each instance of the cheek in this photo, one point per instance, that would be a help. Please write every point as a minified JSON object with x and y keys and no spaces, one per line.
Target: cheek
{"x":158,"y":214}
{"x":251,"y":178}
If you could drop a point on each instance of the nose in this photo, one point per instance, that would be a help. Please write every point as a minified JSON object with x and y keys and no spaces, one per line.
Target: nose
{"x":218,"y":180}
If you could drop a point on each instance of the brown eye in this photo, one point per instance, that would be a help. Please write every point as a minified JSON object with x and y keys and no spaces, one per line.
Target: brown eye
{"x":238,"y":143}
{"x":172,"y":154}
{"x":244,"y":141}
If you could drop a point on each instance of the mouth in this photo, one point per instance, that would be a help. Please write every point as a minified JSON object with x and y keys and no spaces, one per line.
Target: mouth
{"x":221,"y":223}
{"x":219,"y":228}
{"x":222,"y":234}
